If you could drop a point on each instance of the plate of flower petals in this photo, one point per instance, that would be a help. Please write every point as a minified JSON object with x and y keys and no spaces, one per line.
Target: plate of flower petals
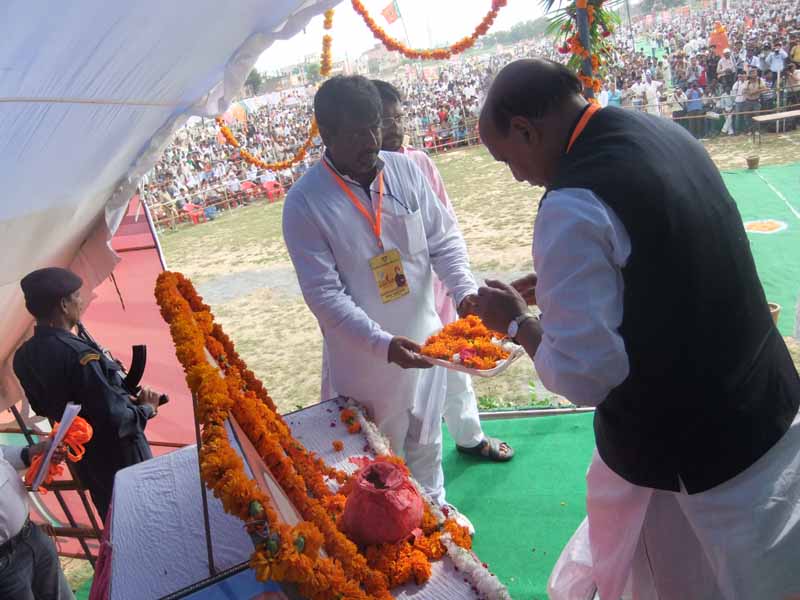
{"x":469,"y":346}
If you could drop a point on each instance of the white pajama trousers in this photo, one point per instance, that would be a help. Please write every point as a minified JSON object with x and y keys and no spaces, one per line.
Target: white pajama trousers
{"x":737,"y":541}
{"x":461,"y":410}
{"x":424,"y":460}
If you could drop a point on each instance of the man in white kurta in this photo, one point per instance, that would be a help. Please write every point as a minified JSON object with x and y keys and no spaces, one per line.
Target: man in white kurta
{"x":736,"y":540}
{"x":331,"y":243}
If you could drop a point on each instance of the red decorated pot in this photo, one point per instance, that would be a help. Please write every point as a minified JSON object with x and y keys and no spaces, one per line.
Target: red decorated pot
{"x":383,"y":507}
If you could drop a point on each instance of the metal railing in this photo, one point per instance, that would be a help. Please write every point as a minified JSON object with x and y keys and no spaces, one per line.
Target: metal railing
{"x":435,"y":140}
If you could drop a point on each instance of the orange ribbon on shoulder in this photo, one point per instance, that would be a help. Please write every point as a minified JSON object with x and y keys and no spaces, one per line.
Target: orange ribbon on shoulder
{"x":587,"y":115}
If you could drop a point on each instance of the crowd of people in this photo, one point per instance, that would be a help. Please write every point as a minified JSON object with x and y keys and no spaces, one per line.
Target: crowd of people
{"x":712,"y":70}
{"x":674,"y":64}
{"x":199,"y":173}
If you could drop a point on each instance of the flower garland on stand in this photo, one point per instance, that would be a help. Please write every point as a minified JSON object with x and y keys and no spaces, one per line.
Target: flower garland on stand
{"x":460,"y":46}
{"x":585,"y":27}
{"x":284,"y":553}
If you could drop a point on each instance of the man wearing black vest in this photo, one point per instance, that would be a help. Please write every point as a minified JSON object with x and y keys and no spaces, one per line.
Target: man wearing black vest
{"x":652,"y":311}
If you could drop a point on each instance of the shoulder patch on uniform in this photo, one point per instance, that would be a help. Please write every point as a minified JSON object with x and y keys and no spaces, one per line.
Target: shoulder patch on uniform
{"x":87,"y":358}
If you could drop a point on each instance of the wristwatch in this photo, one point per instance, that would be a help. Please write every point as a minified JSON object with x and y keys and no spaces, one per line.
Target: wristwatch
{"x":25,"y":456}
{"x":513,"y":327}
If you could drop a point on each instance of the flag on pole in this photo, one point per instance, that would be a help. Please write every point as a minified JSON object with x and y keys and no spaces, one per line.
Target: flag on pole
{"x":391,"y":13}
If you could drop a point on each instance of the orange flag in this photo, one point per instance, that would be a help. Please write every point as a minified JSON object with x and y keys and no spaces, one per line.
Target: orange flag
{"x":391,"y":13}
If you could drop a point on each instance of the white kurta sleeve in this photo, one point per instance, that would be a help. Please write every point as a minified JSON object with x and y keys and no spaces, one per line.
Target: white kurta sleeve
{"x":446,"y":245}
{"x":579,"y":249}
{"x":321,"y":285}
{"x":13,"y":454}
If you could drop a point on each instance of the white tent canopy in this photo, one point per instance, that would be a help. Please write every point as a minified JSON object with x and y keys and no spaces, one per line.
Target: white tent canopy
{"x":91,"y":92}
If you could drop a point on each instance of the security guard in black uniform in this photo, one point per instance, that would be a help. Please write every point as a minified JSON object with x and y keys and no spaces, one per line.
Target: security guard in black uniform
{"x":56,"y":367}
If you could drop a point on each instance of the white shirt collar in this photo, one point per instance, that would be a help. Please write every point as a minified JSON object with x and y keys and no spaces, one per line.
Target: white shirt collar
{"x":379,"y":164}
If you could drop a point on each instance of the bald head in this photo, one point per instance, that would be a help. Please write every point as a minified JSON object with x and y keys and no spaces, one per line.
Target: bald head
{"x":530,"y":88}
{"x":530,"y":107}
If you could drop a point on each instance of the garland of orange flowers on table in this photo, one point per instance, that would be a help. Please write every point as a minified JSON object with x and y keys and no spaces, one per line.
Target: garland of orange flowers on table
{"x":436,"y":53}
{"x":289,"y":554}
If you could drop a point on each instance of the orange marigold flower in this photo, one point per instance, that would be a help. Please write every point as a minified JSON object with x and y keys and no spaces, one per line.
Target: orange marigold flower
{"x":338,"y":445}
{"x":437,"y":53}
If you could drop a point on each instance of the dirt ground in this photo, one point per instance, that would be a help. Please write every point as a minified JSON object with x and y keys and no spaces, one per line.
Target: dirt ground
{"x":77,"y":571}
{"x":240,"y":265}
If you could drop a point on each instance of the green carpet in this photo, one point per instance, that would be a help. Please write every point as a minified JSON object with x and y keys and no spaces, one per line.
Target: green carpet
{"x":526,"y":510}
{"x":650,"y":49}
{"x":82,"y":593}
{"x":777,"y":255}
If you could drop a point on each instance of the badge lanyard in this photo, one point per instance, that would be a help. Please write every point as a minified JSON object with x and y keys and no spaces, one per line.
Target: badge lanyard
{"x":588,"y":114}
{"x":375,"y":222}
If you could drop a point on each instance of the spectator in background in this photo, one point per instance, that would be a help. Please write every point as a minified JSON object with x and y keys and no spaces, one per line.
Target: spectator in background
{"x":602,"y":97}
{"x":794,"y":52}
{"x":726,"y":69}
{"x":738,"y":93}
{"x":776,"y":60}
{"x":650,"y":89}
{"x":695,"y":111}
{"x":614,"y":95}
{"x":753,"y":90}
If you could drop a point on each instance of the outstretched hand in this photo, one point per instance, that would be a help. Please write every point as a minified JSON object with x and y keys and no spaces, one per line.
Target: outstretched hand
{"x":468,"y":305}
{"x":499,"y":304}
{"x":405,"y":353}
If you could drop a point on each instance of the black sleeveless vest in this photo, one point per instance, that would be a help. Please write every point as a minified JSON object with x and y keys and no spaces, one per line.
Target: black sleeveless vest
{"x":711,"y":386}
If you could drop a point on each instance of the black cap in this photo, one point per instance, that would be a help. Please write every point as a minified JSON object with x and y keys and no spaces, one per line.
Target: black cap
{"x":44,"y":289}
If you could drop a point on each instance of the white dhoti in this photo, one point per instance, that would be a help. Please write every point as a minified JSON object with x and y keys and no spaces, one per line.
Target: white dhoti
{"x":738,"y":540}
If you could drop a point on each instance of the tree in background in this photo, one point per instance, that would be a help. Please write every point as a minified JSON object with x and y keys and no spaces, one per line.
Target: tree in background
{"x":526,"y":30}
{"x":374,"y":66}
{"x":254,"y":82}
{"x":312,"y":72}
{"x":651,"y":6}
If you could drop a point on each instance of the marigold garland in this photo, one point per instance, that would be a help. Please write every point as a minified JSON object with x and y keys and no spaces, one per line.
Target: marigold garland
{"x":326,"y":61}
{"x":283,"y":553}
{"x":600,"y":28}
{"x":437,"y":53}
{"x":248,"y":157}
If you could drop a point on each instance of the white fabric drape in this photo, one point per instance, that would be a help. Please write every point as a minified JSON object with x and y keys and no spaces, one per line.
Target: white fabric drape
{"x":69,"y":168}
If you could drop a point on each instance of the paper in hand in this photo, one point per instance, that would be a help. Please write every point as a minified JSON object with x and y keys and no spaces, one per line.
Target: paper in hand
{"x":70,"y":412}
